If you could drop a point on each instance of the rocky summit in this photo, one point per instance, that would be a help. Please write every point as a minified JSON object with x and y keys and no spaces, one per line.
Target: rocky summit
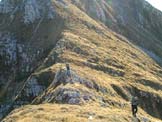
{"x":80,"y":61}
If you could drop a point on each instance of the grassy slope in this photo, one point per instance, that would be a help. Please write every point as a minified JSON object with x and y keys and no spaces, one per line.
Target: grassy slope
{"x":73,"y":113}
{"x":93,"y":50}
{"x":137,"y":20}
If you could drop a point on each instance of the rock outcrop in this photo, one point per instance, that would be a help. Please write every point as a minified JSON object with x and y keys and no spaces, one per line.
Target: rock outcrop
{"x":39,"y":37}
{"x":31,"y":10}
{"x":64,"y":89}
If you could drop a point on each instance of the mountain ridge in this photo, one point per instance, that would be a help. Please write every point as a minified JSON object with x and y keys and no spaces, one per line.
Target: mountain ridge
{"x":107,"y":69}
{"x":136,"y":15}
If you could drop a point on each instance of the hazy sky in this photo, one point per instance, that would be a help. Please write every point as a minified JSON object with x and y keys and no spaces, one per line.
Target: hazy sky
{"x":156,"y":3}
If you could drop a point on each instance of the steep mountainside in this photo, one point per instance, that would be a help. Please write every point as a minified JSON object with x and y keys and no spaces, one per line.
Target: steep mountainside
{"x":137,"y":20}
{"x":37,"y":39}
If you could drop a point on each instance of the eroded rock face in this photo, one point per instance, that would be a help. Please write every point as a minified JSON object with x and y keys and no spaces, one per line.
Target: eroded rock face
{"x":67,"y":95}
{"x":36,"y":9}
{"x":31,"y":10}
{"x":21,"y":54}
{"x":61,"y":77}
{"x":3,"y":110}
{"x":11,"y":50}
{"x":17,"y":61}
{"x":8,"y":59}
{"x":63,"y":89}
{"x":8,"y":48}
{"x":6,"y":6}
{"x":14,"y":55}
{"x":33,"y":88}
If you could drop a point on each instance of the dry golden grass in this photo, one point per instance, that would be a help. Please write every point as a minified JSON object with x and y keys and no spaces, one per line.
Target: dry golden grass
{"x":73,"y":113}
{"x":88,"y":44}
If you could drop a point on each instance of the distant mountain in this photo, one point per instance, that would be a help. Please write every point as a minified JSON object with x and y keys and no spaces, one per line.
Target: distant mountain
{"x":114,"y":49}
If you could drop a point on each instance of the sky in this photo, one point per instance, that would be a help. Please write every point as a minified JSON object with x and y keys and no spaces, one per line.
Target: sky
{"x":156,"y":3}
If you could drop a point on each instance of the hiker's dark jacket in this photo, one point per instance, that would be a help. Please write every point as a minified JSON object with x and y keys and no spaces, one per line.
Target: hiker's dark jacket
{"x":134,"y":101}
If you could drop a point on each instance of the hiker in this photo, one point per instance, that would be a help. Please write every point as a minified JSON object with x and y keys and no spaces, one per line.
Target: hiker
{"x":134,"y":103}
{"x":68,"y":72}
